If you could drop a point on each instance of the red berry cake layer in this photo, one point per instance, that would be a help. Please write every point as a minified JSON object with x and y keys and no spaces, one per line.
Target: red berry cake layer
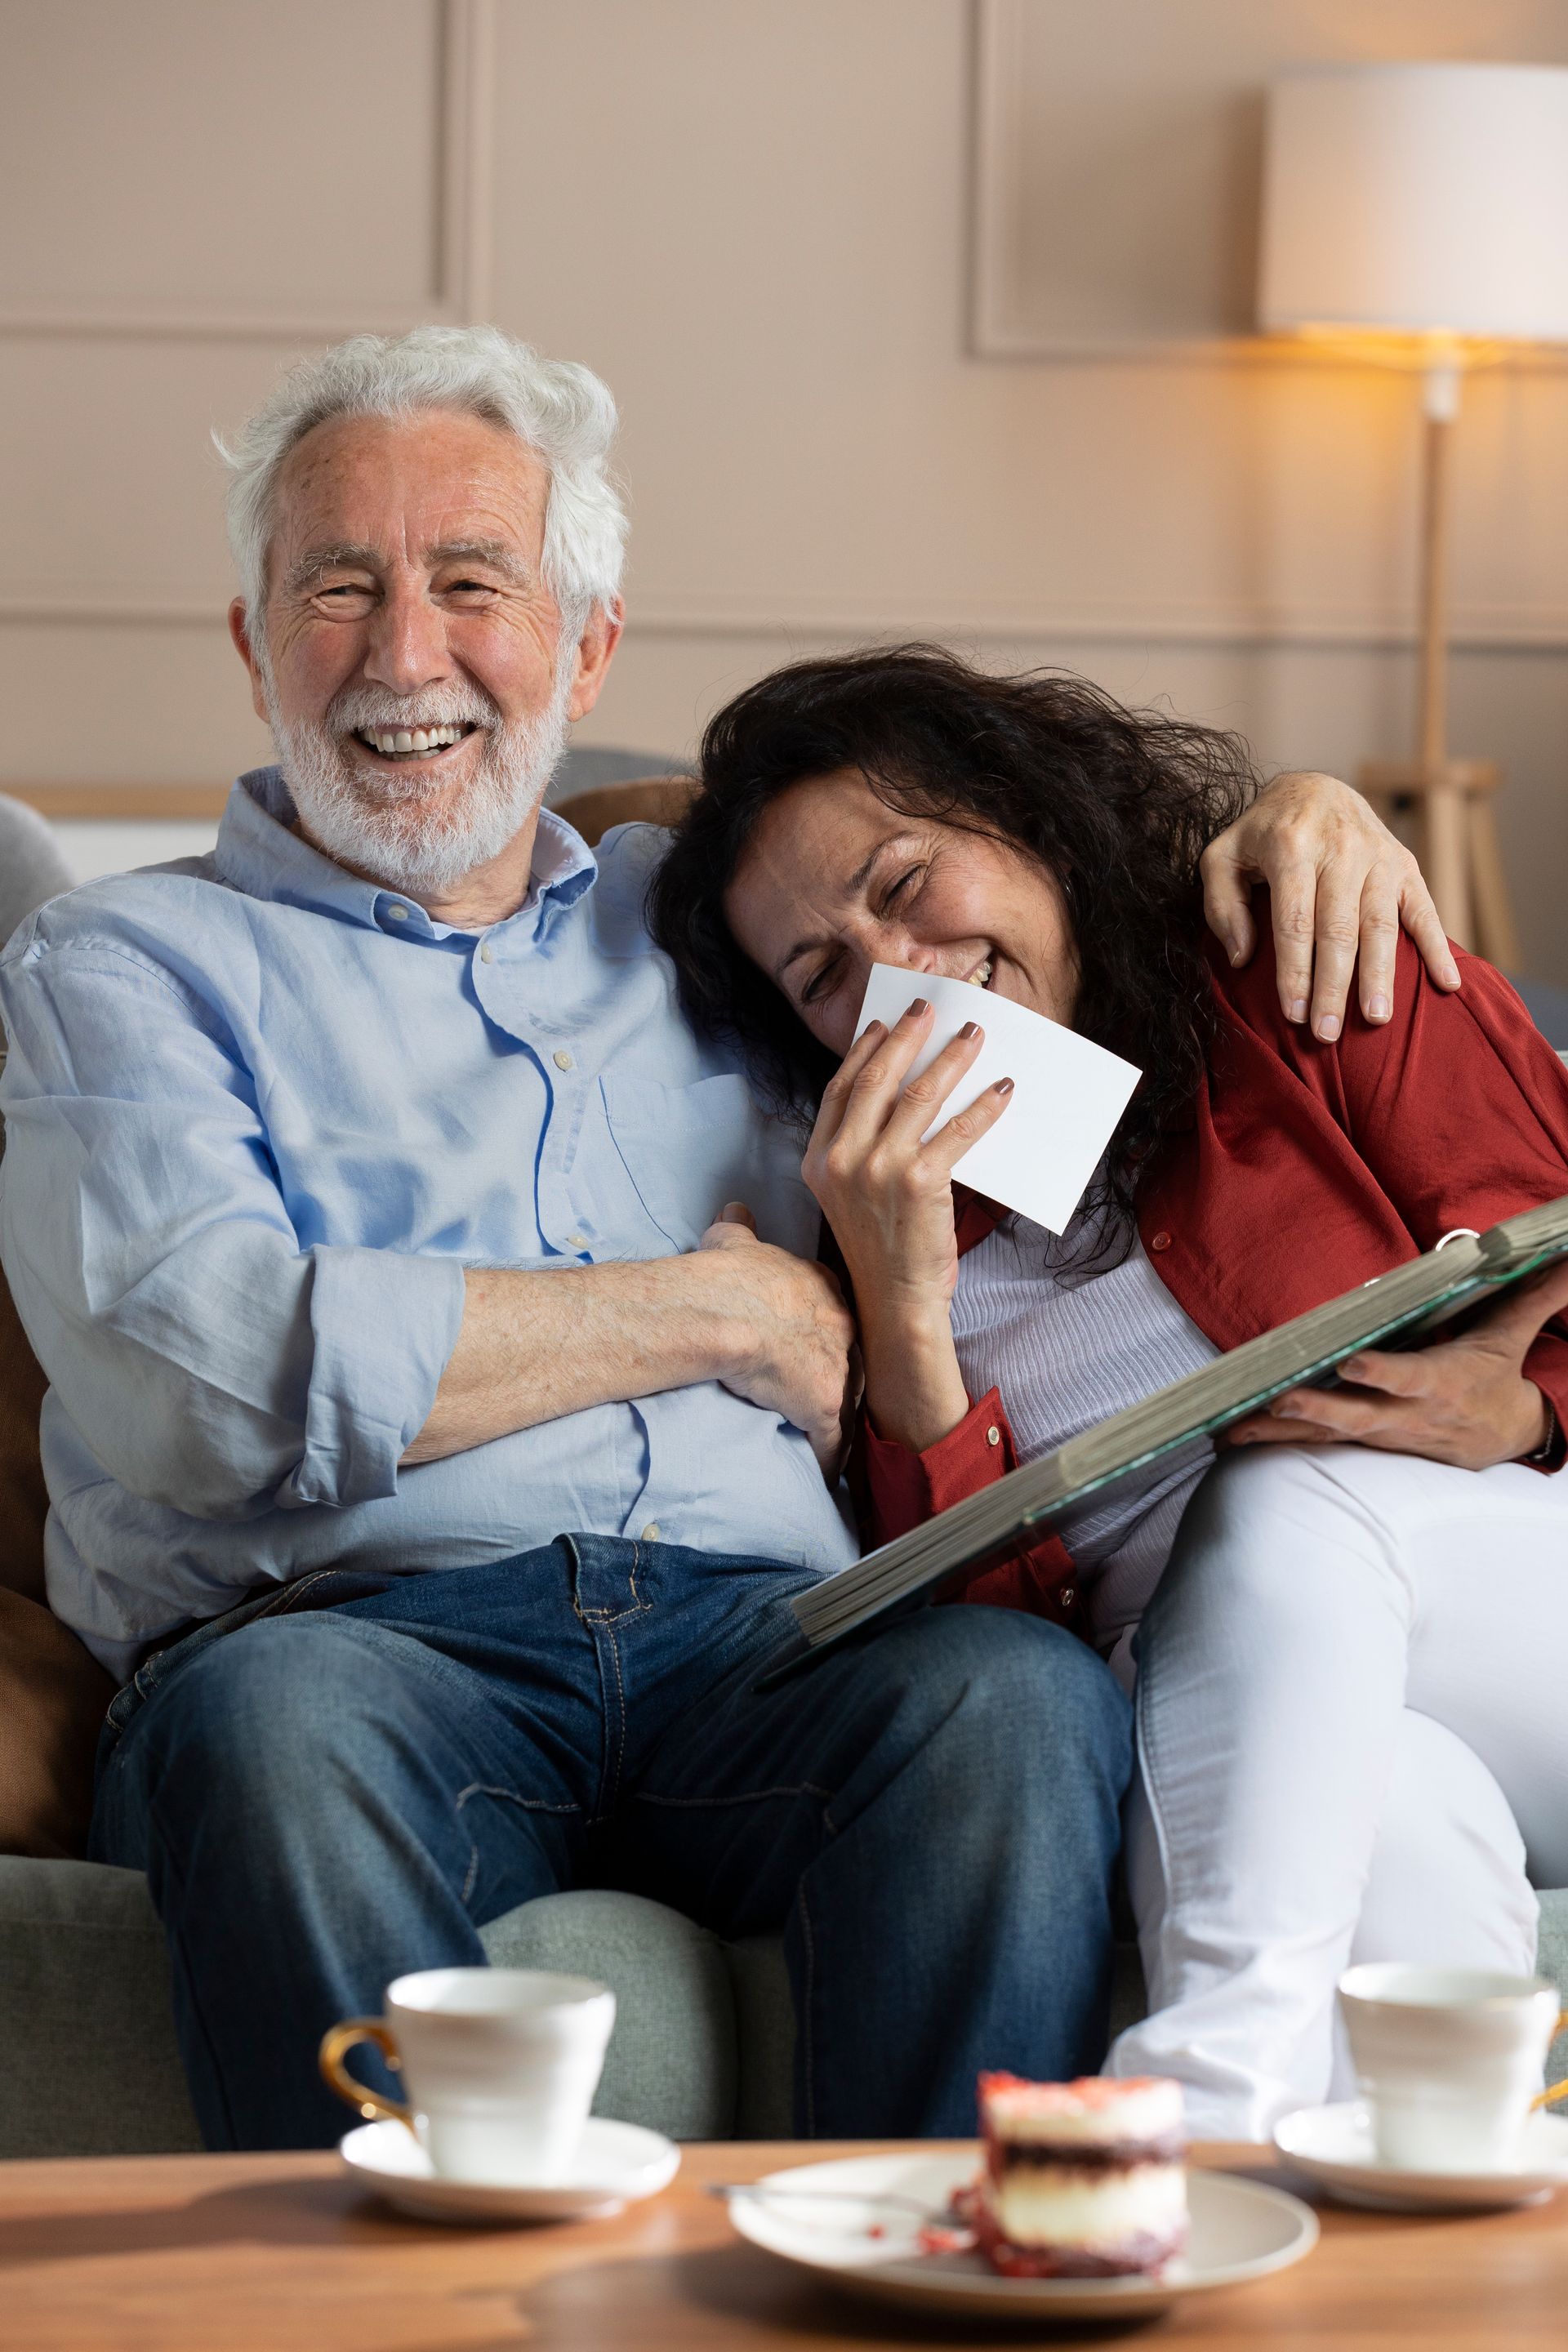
{"x":1083,"y":2180}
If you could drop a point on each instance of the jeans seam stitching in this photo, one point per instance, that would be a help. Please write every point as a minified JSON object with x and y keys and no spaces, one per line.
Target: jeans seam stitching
{"x":609,"y":1795}
{"x":530,"y":1805}
{"x":639,"y":1606}
{"x":484,"y":1789}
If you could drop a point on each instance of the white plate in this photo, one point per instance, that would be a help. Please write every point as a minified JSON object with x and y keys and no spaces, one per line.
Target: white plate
{"x":1334,"y":2146}
{"x":1240,"y":2230}
{"x":616,"y":2164}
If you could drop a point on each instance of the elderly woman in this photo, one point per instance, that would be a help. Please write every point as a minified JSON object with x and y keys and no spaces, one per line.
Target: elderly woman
{"x":1348,"y":1688}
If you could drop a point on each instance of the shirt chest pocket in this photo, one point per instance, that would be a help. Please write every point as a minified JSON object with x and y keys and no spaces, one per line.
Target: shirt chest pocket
{"x":688,"y":1150}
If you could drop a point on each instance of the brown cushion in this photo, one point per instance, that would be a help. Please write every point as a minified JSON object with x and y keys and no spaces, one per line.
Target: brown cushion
{"x":52,"y":1701}
{"x":647,"y":800}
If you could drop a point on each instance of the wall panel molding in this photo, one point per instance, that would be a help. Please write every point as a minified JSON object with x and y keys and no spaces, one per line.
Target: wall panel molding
{"x":1501,"y":630}
{"x":164,"y":803}
{"x":1002,"y":71}
{"x":463,"y":197}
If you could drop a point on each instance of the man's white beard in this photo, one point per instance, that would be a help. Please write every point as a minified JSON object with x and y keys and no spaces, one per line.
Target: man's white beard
{"x":398,"y":830}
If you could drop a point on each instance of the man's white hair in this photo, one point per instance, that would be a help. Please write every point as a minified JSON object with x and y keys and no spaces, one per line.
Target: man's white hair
{"x":560,"y":409}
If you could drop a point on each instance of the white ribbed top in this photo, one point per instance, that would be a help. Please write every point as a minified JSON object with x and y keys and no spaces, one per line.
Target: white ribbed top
{"x":1070,"y":1340}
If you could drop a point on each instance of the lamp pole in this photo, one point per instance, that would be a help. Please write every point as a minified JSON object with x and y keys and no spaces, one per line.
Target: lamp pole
{"x":1448,"y":859}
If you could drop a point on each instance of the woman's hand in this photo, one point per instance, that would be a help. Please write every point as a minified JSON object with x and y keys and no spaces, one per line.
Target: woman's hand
{"x":888,"y":1199}
{"x":1465,"y":1402}
{"x":1339,"y":883}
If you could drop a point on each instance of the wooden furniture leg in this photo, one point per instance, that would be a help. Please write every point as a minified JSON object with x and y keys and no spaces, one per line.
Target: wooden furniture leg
{"x":1497,"y":936}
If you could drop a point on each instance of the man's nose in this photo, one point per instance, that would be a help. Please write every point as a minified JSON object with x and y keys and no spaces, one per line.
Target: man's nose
{"x":407,"y":648}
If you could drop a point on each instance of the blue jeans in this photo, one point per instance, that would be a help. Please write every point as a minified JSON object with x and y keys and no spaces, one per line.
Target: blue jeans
{"x":327,"y":1798}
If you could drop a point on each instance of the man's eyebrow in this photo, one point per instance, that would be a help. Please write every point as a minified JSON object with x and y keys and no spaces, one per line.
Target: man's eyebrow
{"x":857,"y":881}
{"x":340,"y":555}
{"x":495,"y":552}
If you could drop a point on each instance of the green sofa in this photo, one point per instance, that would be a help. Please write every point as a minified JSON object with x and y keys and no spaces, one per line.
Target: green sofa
{"x":704,"y":2036}
{"x":701,"y":2048}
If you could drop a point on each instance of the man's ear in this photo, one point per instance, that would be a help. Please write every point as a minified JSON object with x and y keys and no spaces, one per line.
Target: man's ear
{"x":595,"y":648}
{"x":239,"y":630}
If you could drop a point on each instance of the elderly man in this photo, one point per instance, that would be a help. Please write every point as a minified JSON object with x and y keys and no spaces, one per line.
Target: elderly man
{"x":434,"y":1467}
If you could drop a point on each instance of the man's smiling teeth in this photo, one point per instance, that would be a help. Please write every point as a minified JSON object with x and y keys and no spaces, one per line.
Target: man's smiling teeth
{"x":392,"y":741}
{"x":981,"y":976}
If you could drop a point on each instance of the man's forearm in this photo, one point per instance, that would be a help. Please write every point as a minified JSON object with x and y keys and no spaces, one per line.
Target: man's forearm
{"x":535,"y":1347}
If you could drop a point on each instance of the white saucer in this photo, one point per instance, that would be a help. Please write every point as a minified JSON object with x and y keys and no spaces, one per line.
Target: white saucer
{"x":617,"y":2165}
{"x":1240,"y":2230}
{"x":1334,"y":2146}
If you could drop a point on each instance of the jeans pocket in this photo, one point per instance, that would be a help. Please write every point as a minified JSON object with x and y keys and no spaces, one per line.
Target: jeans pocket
{"x":323,"y":1588}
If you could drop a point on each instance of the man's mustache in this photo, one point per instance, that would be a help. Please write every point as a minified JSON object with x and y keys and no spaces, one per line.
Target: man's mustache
{"x":433,"y":706}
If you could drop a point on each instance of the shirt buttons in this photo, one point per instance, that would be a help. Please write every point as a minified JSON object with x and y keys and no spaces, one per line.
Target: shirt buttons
{"x":1161,"y":1242}
{"x":561,"y":1058}
{"x":1068,"y":1595}
{"x":993,"y":1435}
{"x":650,"y":1533}
{"x":577,"y":1241}
{"x":397,"y":914}
{"x":487,"y":953}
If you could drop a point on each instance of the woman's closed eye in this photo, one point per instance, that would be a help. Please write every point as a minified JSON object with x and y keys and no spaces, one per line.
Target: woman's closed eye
{"x":823,"y":981}
{"x":900,"y":888}
{"x":828,"y":974}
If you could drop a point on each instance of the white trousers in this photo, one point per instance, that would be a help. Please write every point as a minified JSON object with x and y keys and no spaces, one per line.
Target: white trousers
{"x":1352,"y":1744}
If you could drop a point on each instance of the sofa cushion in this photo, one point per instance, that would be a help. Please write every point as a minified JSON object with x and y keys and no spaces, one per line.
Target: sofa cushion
{"x":88,"y":2060}
{"x":650,"y":800}
{"x":672,"y":2060}
{"x":1551,"y":1962}
{"x":88,"y":2065}
{"x":703,"y":2043}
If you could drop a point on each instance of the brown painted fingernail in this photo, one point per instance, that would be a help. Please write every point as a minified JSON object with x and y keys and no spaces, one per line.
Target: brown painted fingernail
{"x":919,"y":1009}
{"x":970,"y":1029}
{"x":1004,"y":1086}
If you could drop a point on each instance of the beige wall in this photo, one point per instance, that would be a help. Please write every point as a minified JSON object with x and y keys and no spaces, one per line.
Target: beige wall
{"x":753,"y":219}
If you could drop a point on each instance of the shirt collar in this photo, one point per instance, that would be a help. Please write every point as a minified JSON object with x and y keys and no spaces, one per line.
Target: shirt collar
{"x":260,"y":853}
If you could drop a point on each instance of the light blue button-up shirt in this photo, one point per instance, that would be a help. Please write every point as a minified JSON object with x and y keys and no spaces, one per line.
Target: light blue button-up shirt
{"x":259,"y":1116}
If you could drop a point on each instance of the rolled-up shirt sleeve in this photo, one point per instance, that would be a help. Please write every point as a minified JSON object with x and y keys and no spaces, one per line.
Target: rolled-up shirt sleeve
{"x":211,"y":1356}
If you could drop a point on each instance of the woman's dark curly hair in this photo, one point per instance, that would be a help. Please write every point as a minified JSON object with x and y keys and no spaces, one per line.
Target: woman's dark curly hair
{"x":1117,"y":804}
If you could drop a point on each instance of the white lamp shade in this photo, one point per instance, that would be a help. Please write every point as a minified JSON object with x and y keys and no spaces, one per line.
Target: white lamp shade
{"x":1428,"y":199}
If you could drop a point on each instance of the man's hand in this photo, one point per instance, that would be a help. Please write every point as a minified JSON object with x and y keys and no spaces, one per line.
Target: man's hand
{"x":1465,"y":1402}
{"x":1339,"y":882}
{"x":800,"y":1361}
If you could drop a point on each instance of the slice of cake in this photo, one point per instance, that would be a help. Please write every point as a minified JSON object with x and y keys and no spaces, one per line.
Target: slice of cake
{"x":1082,"y":2179}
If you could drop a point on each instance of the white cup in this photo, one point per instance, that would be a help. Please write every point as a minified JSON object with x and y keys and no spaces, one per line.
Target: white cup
{"x":1450,"y":2061}
{"x":501,"y":2065}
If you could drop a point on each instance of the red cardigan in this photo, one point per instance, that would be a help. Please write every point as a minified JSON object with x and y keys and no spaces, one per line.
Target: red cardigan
{"x":1306,"y":1168}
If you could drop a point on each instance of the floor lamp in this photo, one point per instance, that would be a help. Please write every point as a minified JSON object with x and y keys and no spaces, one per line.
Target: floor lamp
{"x":1421,"y":211}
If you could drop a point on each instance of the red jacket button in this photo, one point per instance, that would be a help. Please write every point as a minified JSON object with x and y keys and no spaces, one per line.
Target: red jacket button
{"x":1161,"y":1242}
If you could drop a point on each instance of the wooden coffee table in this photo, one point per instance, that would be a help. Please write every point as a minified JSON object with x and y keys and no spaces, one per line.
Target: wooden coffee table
{"x":281,"y":2254}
